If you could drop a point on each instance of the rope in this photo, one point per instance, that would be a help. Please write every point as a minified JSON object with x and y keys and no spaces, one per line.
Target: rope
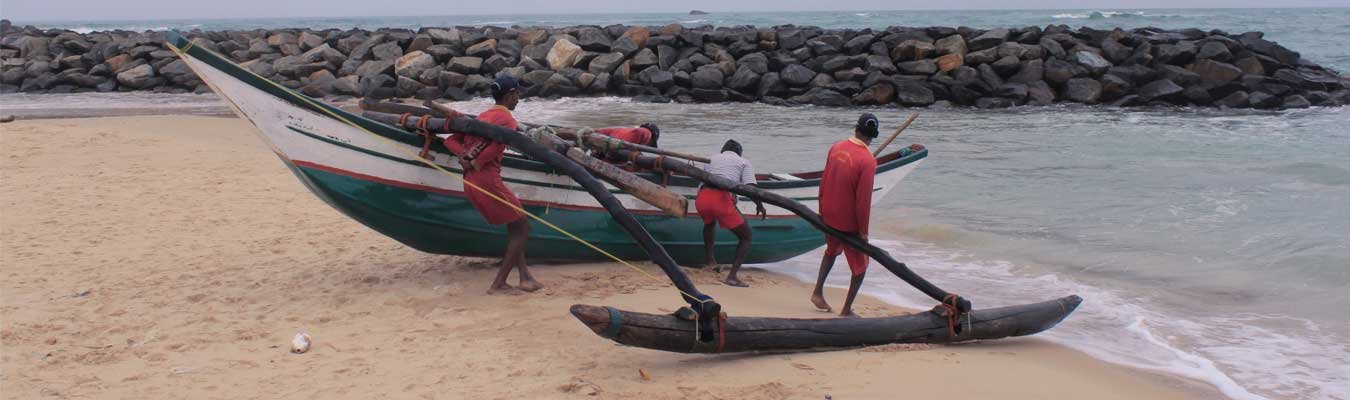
{"x":615,"y":321}
{"x":953,"y":314}
{"x":465,"y":182}
{"x":426,"y":136}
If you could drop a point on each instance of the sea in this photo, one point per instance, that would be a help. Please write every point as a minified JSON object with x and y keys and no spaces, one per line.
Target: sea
{"x":1209,"y":244}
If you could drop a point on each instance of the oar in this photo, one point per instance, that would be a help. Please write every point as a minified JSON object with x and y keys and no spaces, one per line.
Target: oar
{"x":896,"y":134}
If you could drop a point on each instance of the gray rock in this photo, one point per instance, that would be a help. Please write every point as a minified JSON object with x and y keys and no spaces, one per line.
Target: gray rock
{"x":605,"y":63}
{"x":1052,"y":48}
{"x":496,"y":63}
{"x":1134,"y":74}
{"x":465,"y":65}
{"x":769,"y":84}
{"x":644,"y":58}
{"x":796,"y":75}
{"x":1039,"y":93}
{"x":1214,"y":50}
{"x":822,"y":97}
{"x":655,"y":77}
{"x":412,"y":65}
{"x":990,"y":39}
{"x":1181,"y":53}
{"x":878,"y":94}
{"x":1006,"y":66}
{"x":387,"y":51}
{"x":1197,"y":95}
{"x":1309,"y":79}
{"x":843,"y":62}
{"x":666,"y":56}
{"x":1237,"y":99}
{"x":1115,"y":52}
{"x":1014,"y":91}
{"x":594,"y":40}
{"x":1019,"y":51}
{"x":994,"y":102}
{"x":1262,"y":100}
{"x":141,"y":77}
{"x":954,"y":44}
{"x":1114,"y":87}
{"x":825,"y":44}
{"x":921,"y":67}
{"x":1083,"y":90}
{"x":709,"y":95}
{"x":348,"y":85}
{"x":855,"y":74}
{"x":1250,"y":65}
{"x":913,"y":94}
{"x":990,"y":77}
{"x":757,"y":62}
{"x":858,"y":44}
{"x":538,"y":77}
{"x":982,"y":56}
{"x":483,"y":49}
{"x":1178,"y":75}
{"x":562,"y":54}
{"x":1255,"y":42}
{"x":1296,"y":101}
{"x":911,"y":50}
{"x":1030,"y":71}
{"x":1060,"y":72}
{"x":707,"y":77}
{"x":1215,"y":71}
{"x":744,"y":79}
{"x":1161,"y":89}
{"x":881,"y":64}
{"x":1095,"y":64}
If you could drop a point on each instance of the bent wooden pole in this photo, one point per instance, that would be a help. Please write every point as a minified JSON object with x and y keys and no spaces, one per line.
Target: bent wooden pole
{"x":688,"y":292}
{"x":737,"y":334}
{"x":896,"y":267}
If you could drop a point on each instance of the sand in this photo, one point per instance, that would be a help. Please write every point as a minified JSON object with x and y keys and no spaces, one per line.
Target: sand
{"x":174,"y":257}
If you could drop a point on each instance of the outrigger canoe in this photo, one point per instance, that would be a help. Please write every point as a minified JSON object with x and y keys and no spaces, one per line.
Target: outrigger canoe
{"x":380,"y":187}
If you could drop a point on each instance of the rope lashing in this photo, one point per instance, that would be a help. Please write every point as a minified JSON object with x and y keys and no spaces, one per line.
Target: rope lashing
{"x":615,"y":322}
{"x":952,"y":312}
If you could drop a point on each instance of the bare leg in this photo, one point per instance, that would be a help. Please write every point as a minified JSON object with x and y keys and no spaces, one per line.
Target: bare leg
{"x":518,"y":233}
{"x":742,"y":248}
{"x":853,"y":286}
{"x":818,"y":296}
{"x":709,"y":233}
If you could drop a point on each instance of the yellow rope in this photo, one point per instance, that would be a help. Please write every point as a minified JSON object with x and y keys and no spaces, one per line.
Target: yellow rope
{"x":461,"y":179}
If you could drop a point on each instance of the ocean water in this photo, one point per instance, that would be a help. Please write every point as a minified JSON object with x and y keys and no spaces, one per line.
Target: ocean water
{"x":1209,"y":244}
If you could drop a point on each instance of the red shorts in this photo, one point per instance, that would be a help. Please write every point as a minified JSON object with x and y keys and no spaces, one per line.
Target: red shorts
{"x":491,"y":209}
{"x":857,"y":260}
{"x":717,"y":205}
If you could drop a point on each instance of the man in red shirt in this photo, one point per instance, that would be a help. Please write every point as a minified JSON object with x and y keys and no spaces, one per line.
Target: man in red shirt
{"x":482,"y":162}
{"x":846,"y":205}
{"x":646,"y":134}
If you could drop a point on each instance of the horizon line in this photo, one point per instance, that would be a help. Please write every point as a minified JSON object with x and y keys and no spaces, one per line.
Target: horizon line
{"x":686,"y":13}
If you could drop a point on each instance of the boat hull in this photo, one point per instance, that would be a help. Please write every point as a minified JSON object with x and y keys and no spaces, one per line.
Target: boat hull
{"x":369,"y":172}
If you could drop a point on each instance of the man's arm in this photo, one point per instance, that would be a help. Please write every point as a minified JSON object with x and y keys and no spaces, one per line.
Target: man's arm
{"x":455,"y":143}
{"x":748,"y":178}
{"x":491,"y":152}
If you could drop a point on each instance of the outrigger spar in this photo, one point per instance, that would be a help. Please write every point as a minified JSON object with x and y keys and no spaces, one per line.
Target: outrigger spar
{"x":280,"y":113}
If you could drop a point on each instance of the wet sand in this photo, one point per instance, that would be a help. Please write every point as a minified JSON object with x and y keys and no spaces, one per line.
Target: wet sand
{"x":174,"y":257}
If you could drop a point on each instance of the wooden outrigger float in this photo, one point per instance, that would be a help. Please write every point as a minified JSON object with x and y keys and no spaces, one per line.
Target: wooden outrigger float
{"x":345,"y":160}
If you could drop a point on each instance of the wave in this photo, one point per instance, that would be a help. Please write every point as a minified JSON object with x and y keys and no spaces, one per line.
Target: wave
{"x":1112,"y":14}
{"x":1243,"y":356}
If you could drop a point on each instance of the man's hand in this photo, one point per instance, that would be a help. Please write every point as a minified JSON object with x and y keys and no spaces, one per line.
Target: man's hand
{"x":466,"y":164}
{"x":759,"y":210}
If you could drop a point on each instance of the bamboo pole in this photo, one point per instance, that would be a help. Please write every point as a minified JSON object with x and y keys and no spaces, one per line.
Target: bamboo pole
{"x":896,"y":134}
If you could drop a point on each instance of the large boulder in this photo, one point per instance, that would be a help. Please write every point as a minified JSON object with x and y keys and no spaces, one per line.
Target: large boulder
{"x":413,"y":64}
{"x":483,"y":49}
{"x":594,"y":40}
{"x":652,"y":76}
{"x":563,"y":54}
{"x":1309,"y":79}
{"x":796,"y":75}
{"x":1083,"y":90}
{"x":387,"y":51}
{"x":445,"y":36}
{"x":825,"y":44}
{"x":1115,"y":52}
{"x":1115,"y":87}
{"x":1178,"y":75}
{"x":911,"y":50}
{"x":982,"y":56}
{"x":1237,"y":99}
{"x":1030,"y":71}
{"x":1181,"y":53}
{"x":913,"y":94}
{"x":854,"y":74}
{"x":644,"y":59}
{"x":822,"y":97}
{"x":1215,"y":71}
{"x":954,"y":44}
{"x":744,"y":79}
{"x":878,"y":94}
{"x":1251,"y":66}
{"x":1214,"y":50}
{"x":1296,"y":101}
{"x":1135,"y":74}
{"x":989,"y":39}
{"x":605,"y":63}
{"x":1039,"y":93}
{"x":1006,"y":66}
{"x":950,"y":62}
{"x":1095,"y":64}
{"x":921,"y":67}
{"x":858,"y":44}
{"x":757,"y":62}
{"x":1060,"y":71}
{"x":465,"y":65}
{"x":707,"y":77}
{"x":1162,"y":89}
{"x":1255,"y":42}
{"x":140,"y":77}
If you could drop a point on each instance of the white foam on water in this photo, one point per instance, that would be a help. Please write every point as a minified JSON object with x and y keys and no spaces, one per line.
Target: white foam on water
{"x":1241,"y":356}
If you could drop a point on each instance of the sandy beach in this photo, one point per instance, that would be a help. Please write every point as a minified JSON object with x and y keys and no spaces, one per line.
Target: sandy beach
{"x":174,"y":257}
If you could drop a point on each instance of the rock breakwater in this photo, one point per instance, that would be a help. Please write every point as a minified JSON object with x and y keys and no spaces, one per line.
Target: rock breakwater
{"x":905,"y":66}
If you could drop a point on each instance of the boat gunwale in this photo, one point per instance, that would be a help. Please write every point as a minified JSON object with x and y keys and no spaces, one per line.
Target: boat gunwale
{"x":893,"y":160}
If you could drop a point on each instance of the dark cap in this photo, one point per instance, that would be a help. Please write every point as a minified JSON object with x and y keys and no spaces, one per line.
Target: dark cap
{"x":868,"y":125}
{"x":656,"y":132}
{"x":504,"y":84}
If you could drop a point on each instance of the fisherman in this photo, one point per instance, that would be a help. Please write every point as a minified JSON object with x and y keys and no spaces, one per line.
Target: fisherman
{"x":482,"y":162}
{"x":646,"y":134}
{"x":719,"y":207}
{"x":846,"y":204}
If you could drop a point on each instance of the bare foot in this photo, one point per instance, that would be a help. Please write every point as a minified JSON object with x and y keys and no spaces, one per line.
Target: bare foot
{"x":734,"y":281}
{"x":849,"y":314}
{"x":530,"y":285}
{"x":819,"y":302}
{"x":500,"y":288}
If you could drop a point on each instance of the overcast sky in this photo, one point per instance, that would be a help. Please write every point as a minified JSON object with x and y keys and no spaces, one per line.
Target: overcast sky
{"x":62,"y":10}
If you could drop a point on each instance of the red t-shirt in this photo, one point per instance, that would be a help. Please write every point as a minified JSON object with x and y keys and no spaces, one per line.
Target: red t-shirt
{"x":487,"y":154}
{"x":630,"y":135}
{"x":846,"y":187}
